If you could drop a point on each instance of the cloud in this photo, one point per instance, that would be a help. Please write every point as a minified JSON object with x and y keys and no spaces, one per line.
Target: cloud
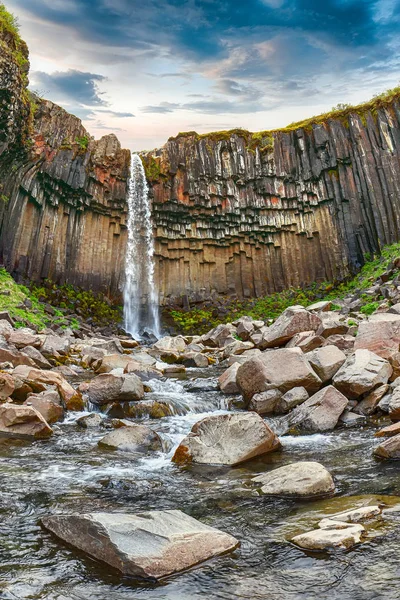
{"x":162,"y":108}
{"x":72,"y":85}
{"x":210,"y":107}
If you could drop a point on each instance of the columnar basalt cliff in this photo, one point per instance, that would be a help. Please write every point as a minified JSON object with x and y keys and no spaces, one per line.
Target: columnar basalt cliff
{"x":247,"y":214}
{"x":63,"y":195}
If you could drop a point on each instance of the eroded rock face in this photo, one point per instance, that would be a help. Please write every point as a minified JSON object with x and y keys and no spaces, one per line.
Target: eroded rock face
{"x":226,"y":440}
{"x":147,"y":545}
{"x":302,"y":479}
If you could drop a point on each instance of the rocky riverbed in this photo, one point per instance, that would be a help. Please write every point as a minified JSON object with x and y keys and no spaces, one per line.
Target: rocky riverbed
{"x":282,"y":438}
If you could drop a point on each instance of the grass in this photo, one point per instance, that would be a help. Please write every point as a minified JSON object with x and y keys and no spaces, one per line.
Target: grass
{"x":198,"y":321}
{"x":264,"y":140}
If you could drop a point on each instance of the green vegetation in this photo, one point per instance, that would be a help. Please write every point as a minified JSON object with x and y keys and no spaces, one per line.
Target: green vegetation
{"x":197,"y":321}
{"x":83,"y":142}
{"x":10,"y":38}
{"x":85,"y":304}
{"x":152,"y":166}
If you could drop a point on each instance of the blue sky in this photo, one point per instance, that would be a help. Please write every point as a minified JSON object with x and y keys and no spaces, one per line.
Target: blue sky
{"x":150,"y":68}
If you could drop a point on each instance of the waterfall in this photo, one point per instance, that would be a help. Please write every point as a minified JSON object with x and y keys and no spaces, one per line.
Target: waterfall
{"x":140,"y":292}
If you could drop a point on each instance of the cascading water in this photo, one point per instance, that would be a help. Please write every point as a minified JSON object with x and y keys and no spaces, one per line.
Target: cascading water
{"x":140,"y":292}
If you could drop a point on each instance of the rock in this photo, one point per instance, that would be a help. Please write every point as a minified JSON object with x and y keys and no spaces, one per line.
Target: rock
{"x":22,"y":422}
{"x":7,"y":386}
{"x":284,"y":369}
{"x":24,"y":337}
{"x":247,"y":355}
{"x":244,"y":329}
{"x":219,"y":337}
{"x":171,"y":344}
{"x":55,"y":346}
{"x":390,"y":448}
{"x":37,"y":381}
{"x":338,"y":536}
{"x":330,"y":327}
{"x":5,"y":329}
{"x":143,"y":371}
{"x":322,"y":306}
{"x":91,"y":355}
{"x":265,"y":402}
{"x":227,"y":440}
{"x":227,"y":381}
{"x":380,"y":334}
{"x":16,"y":358}
{"x":195,"y":359}
{"x":290,"y":400}
{"x":138,"y":410}
{"x":209,"y":384}
{"x":236,"y":348}
{"x":88,"y":421}
{"x":343,"y":342}
{"x":128,"y":343}
{"x":136,"y":438}
{"x":107,"y":388}
{"x":5,"y":316}
{"x":307,"y":341}
{"x":321,"y":412}
{"x":299,"y":480}
{"x":294,"y":319}
{"x":40,"y":361}
{"x":149,"y":545}
{"x":326,"y":361}
{"x":362,"y":372}
{"x":351,"y":419}
{"x":369,"y":404}
{"x":389,"y":431}
{"x":354,"y":515}
{"x":48,"y":404}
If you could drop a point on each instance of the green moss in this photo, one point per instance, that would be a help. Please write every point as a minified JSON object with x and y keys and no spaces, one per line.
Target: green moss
{"x":152,"y":167}
{"x":83,"y":142}
{"x":369,"y":308}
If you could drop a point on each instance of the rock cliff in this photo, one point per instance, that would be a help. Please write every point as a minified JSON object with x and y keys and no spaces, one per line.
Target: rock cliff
{"x":247,"y":214}
{"x":63,"y":194}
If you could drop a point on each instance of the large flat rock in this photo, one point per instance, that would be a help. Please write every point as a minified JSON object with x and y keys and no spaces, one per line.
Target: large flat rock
{"x":227,"y":440}
{"x":299,"y":480}
{"x":149,"y":545}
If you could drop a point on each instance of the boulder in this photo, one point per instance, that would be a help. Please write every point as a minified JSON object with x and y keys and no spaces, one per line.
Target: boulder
{"x":24,"y":337}
{"x":129,"y":365}
{"x":228,"y":439}
{"x":149,"y":545}
{"x":245,"y":329}
{"x":107,"y":388}
{"x":368,"y":405}
{"x":236,"y":348}
{"x":6,"y":328}
{"x":298,"y":480}
{"x":227,"y":381}
{"x":343,"y":342}
{"x":389,"y":431}
{"x":48,"y":404}
{"x":390,"y":448}
{"x":330,"y":327}
{"x":7,"y":386}
{"x":362,"y":372}
{"x":11,"y":355}
{"x":307,"y":341}
{"x":394,"y":405}
{"x":37,"y":381}
{"x":290,"y":400}
{"x":322,"y":306}
{"x":171,"y":344}
{"x":334,"y":536}
{"x":22,"y":422}
{"x":219,"y":337}
{"x":380,"y":334}
{"x":326,"y":361}
{"x":55,"y":346}
{"x":93,"y":420}
{"x":135,"y":438}
{"x":284,"y":369}
{"x":294,"y":319}
{"x":40,"y":361}
{"x":195,"y":359}
{"x":265,"y":402}
{"x":351,"y":419}
{"x":321,"y":412}
{"x":5,"y":317}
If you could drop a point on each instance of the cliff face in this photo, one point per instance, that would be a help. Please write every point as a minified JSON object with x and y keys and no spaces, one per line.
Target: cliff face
{"x":244,"y":214}
{"x":63,"y":195}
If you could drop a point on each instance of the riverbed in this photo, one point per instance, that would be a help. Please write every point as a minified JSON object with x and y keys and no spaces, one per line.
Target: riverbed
{"x":70,"y":473}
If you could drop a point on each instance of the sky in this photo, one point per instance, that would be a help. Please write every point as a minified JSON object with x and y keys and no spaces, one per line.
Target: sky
{"x":147,"y":69}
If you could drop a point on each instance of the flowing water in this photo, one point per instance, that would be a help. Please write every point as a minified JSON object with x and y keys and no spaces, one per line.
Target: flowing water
{"x":140,"y":292}
{"x":71,"y":473}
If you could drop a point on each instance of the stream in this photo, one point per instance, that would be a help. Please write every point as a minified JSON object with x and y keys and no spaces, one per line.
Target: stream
{"x":70,"y":473}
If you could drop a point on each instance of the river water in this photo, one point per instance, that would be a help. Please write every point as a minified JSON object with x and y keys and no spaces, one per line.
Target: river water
{"x":69,"y":473}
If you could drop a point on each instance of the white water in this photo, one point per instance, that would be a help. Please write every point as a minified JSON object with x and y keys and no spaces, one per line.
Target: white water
{"x":140,"y":292}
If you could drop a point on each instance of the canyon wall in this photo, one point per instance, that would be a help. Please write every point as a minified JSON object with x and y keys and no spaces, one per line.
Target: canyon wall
{"x":235,"y":213}
{"x":246,"y":214}
{"x":63,"y":194}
